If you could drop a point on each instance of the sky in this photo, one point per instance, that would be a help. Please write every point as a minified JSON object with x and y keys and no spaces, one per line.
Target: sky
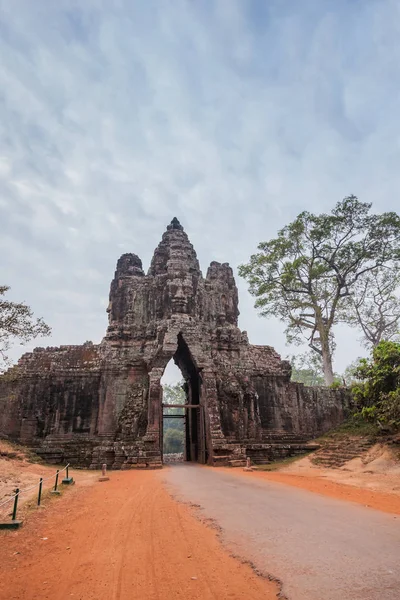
{"x":232,"y":115}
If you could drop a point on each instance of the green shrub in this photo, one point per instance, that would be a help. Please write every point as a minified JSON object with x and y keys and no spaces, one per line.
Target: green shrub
{"x":377,"y":393}
{"x":336,"y":385}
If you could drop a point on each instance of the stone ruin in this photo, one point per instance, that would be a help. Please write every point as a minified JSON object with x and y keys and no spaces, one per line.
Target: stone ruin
{"x":95,"y":404}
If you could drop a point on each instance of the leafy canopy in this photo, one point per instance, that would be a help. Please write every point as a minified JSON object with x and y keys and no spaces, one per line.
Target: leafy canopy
{"x":307,"y":369}
{"x":173,"y":394}
{"x":17,"y":323}
{"x":173,"y":429}
{"x":377,"y":393}
{"x":304,"y":274}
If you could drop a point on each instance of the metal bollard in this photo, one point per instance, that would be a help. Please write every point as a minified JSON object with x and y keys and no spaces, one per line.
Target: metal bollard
{"x":13,"y":524}
{"x":14,"y":513}
{"x":40,"y":491}
{"x":67,"y":479}
{"x":55,"y":491}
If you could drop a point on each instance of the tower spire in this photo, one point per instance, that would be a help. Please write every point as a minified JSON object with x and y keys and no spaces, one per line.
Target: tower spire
{"x":175,"y":224}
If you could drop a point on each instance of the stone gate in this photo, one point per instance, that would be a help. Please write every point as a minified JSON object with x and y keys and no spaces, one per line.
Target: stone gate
{"x":92,"y":404}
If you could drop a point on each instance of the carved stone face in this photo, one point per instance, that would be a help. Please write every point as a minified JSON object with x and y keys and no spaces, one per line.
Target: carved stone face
{"x":181,"y":293}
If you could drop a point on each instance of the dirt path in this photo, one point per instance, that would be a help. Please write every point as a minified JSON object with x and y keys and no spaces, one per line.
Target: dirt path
{"x":119,"y":540}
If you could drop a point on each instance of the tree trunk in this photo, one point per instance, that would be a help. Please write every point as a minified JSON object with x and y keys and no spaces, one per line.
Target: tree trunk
{"x":327,"y":362}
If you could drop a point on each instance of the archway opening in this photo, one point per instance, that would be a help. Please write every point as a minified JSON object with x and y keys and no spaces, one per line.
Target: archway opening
{"x":189,"y":420}
{"x":174,"y":418}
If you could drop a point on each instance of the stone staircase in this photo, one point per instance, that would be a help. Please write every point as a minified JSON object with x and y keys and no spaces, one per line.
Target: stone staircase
{"x":274,"y":445}
{"x":336,"y":452}
{"x":283,"y":437}
{"x":229,"y":454}
{"x":277,"y":445}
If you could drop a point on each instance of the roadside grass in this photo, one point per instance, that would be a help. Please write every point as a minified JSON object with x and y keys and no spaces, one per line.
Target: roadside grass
{"x":16,"y":454}
{"x":278,"y":464}
{"x":13,"y":450}
{"x":30,"y":507}
{"x":353,"y":426}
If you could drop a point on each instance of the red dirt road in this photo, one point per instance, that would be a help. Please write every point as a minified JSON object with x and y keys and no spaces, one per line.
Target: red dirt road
{"x":119,"y":540}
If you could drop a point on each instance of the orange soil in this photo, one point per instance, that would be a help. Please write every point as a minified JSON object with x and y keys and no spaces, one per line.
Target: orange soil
{"x":121,"y":539}
{"x":19,"y":472}
{"x":383,"y":501}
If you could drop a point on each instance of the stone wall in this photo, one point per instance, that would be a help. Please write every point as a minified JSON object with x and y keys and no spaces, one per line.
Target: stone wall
{"x":91,"y":404}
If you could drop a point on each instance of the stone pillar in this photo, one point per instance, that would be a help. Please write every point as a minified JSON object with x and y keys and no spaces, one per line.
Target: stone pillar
{"x":28,"y":430}
{"x":107,"y":398}
{"x":154,"y":407}
{"x":209,"y":400}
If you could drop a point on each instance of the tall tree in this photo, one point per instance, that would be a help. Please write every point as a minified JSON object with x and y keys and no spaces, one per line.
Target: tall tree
{"x":174,"y":394}
{"x":307,"y":369}
{"x":303,"y":275}
{"x":17,"y":323}
{"x":374,"y":306}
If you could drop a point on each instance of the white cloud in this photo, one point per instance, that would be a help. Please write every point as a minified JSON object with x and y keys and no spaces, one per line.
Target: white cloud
{"x":232,"y":116}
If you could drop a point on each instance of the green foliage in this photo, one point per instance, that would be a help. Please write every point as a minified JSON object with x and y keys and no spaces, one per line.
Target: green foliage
{"x":369,"y":413}
{"x":17,"y":323}
{"x":377,"y":393}
{"x":173,"y":440}
{"x":173,"y":394}
{"x":336,"y":384}
{"x":307,"y":376}
{"x":389,"y":409}
{"x":304,"y":275}
{"x":173,"y":429}
{"x":307,"y":369}
{"x":276,"y":465}
{"x":354,"y":425}
{"x":350,"y":373}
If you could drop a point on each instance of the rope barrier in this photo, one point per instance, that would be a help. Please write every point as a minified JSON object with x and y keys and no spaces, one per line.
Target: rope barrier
{"x":34,"y":486}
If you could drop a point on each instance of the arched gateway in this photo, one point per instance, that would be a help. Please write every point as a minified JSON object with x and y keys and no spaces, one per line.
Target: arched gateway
{"x":91,"y":404}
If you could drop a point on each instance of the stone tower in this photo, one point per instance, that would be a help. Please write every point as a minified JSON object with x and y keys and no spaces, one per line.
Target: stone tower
{"x":103,"y":403}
